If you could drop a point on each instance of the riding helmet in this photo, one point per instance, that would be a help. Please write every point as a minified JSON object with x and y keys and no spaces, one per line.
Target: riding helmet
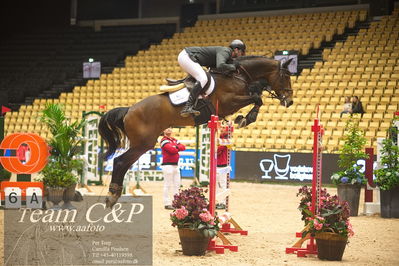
{"x":238,"y":44}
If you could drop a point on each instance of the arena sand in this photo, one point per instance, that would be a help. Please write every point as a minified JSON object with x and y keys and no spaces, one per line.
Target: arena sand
{"x":269,"y":212}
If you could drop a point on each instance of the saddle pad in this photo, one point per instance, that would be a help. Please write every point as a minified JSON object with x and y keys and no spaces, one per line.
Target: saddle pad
{"x":181,"y":96}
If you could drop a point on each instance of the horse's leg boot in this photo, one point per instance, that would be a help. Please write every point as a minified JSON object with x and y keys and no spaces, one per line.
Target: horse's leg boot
{"x":188,"y":109}
{"x":115,"y":191}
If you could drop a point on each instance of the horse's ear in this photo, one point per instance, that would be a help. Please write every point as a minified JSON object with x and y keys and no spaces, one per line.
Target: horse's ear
{"x":286,"y":63}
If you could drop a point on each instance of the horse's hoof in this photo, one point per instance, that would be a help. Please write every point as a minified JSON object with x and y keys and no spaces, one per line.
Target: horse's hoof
{"x":238,"y":119}
{"x":115,"y":191}
{"x":111,"y":200}
{"x":242,"y":123}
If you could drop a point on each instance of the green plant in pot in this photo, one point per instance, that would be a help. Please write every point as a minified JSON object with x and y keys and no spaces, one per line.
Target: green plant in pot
{"x":195,"y":224}
{"x":387,"y":177}
{"x":350,"y":179}
{"x":59,"y":176}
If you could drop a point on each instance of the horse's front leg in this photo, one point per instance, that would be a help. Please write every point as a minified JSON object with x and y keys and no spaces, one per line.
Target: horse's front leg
{"x":252,"y":114}
{"x":249,"y":118}
{"x":121,"y":165}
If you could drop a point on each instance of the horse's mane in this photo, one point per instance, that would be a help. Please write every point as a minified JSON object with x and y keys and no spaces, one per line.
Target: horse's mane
{"x":250,"y":57}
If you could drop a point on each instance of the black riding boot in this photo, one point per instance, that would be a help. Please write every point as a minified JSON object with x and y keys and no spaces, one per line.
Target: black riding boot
{"x":189,"y":107}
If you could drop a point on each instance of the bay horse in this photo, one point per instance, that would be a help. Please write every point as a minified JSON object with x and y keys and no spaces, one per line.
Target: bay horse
{"x":143,"y":122}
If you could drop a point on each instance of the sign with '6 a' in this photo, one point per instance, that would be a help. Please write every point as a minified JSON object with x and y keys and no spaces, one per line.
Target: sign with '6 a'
{"x":15,"y":193}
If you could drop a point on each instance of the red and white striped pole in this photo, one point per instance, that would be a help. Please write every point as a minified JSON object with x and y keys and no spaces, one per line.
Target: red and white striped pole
{"x":318,"y":132}
{"x":213,"y":125}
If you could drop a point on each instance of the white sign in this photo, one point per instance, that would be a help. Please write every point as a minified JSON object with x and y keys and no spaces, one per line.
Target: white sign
{"x":91,"y":70}
{"x":283,"y":169}
{"x":293,"y":66}
{"x":13,"y":197}
{"x":34,"y":199}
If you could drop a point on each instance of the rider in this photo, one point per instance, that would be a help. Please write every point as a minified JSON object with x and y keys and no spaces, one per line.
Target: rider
{"x":192,"y":59}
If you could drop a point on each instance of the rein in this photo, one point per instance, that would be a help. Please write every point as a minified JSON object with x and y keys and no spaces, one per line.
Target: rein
{"x":267,"y":88}
{"x":246,"y":73}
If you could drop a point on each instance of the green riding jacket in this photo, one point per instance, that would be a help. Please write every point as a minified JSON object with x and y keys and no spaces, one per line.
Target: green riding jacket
{"x":212,"y":56}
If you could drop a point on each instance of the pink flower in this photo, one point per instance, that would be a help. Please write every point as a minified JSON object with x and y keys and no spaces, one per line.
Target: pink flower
{"x":181,"y":213}
{"x":308,"y":204}
{"x":206,"y":216}
{"x":317,"y":225}
{"x":318,"y":222}
{"x":350,"y":228}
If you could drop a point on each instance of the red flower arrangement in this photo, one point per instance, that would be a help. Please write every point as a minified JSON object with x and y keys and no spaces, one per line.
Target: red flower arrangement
{"x":191,"y":211}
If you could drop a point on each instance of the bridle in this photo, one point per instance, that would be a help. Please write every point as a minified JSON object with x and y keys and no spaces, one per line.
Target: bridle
{"x":267,"y":87}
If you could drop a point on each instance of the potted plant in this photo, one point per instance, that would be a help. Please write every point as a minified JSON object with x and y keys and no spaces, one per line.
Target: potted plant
{"x":350,"y":179}
{"x":195,"y":224}
{"x":330,"y":227}
{"x":59,"y":175}
{"x":387,"y":177}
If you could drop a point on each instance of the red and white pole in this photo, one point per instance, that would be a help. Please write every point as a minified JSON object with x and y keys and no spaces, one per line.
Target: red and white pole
{"x":213,"y":125}
{"x":318,"y":132}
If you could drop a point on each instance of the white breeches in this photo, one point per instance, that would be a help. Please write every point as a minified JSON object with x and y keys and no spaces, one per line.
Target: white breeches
{"x":221,"y":181}
{"x":192,"y":68}
{"x":171,"y":175}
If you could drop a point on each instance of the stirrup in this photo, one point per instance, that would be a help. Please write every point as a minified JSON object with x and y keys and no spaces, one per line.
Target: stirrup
{"x":190,"y":110}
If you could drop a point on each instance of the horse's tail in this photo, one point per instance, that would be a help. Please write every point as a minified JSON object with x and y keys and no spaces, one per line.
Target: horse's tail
{"x":112,"y":130}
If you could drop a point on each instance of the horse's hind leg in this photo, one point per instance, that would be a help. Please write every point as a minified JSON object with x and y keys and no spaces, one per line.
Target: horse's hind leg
{"x":122,"y":163}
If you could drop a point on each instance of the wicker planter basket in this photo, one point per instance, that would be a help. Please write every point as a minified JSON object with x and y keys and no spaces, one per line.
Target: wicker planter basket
{"x":55,"y":195}
{"x":193,"y":242}
{"x":69,"y":195}
{"x":330,"y":246}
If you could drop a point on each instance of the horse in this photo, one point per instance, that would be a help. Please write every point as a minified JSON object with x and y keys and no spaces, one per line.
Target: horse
{"x":143,"y":122}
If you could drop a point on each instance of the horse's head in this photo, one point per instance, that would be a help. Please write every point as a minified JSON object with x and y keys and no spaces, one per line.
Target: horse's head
{"x":281,"y":84}
{"x":276,"y":75}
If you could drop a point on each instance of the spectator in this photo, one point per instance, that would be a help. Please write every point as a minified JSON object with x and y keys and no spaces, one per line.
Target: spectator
{"x":223,"y":168}
{"x":170,"y":157}
{"x":357,"y":107}
{"x":347,"y":108}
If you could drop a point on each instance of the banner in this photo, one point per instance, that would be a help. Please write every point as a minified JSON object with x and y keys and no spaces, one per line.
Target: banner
{"x":280,"y":166}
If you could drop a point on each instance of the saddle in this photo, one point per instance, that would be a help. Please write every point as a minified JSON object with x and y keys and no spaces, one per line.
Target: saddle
{"x":188,"y":82}
{"x":178,"y":92}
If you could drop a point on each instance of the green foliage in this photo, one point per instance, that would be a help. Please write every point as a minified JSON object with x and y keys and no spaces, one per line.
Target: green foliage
{"x":349,"y":154}
{"x":354,"y":144}
{"x":4,"y":174}
{"x":65,"y":145}
{"x":54,"y":175}
{"x":387,"y":178}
